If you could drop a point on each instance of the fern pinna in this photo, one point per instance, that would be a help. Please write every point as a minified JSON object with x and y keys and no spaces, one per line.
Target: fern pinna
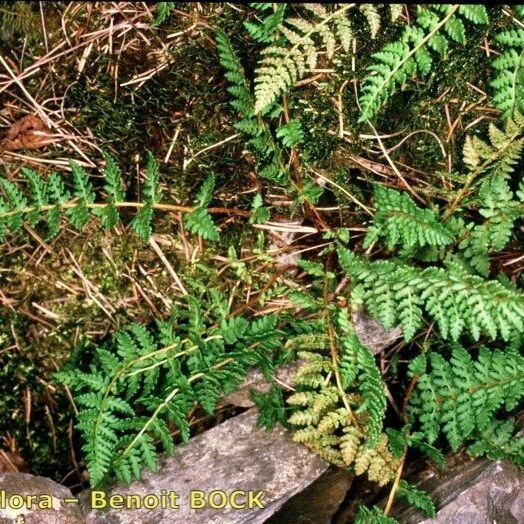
{"x":142,"y":386}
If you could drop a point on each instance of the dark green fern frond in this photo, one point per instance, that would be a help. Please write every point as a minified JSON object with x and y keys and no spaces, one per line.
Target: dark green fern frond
{"x":493,"y":164}
{"x":435,"y":26}
{"x":152,"y":194}
{"x":136,"y":387}
{"x":500,"y":210}
{"x":265,"y":31}
{"x":83,"y":191}
{"x":356,"y":362}
{"x":462,"y":396}
{"x":199,"y":221}
{"x":500,"y":441}
{"x":372,"y":515}
{"x":416,"y":497}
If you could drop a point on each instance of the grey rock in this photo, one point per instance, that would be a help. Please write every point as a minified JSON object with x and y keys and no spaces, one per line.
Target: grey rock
{"x":235,"y":455}
{"x":255,"y":380}
{"x":319,"y":502}
{"x":474,"y":492}
{"x":371,"y":333}
{"x":48,"y":504}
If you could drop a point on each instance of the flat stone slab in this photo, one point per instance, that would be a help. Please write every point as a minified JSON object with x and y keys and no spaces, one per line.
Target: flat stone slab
{"x":474,"y":492}
{"x":235,"y":463}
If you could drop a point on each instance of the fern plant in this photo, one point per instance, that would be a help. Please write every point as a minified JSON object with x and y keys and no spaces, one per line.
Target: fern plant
{"x":269,"y":155}
{"x":494,"y":163}
{"x":461,"y":397}
{"x":500,"y":440}
{"x":397,"y":293}
{"x":143,"y":384}
{"x":282,"y":66}
{"x":163,"y":11}
{"x":401,"y":222}
{"x":435,"y":26}
{"x":265,"y":31}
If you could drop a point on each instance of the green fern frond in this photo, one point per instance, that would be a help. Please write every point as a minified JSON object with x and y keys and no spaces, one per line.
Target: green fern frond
{"x":163,"y":11}
{"x":416,"y":497}
{"x":400,"y":221}
{"x":500,"y":211}
{"x":200,"y":223}
{"x":356,"y":360}
{"x":508,"y":85}
{"x":462,"y":396}
{"x":268,"y":153}
{"x":396,"y":294}
{"x":372,"y":515}
{"x":291,"y":134}
{"x":265,"y":31}
{"x":500,"y":441}
{"x":399,"y":60}
{"x":135,"y":387}
{"x":495,"y":161}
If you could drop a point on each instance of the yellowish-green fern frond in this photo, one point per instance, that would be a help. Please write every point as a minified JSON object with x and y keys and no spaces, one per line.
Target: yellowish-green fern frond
{"x":281,"y":67}
{"x":372,"y":16}
{"x":503,"y":151}
{"x":395,"y":11}
{"x":326,"y":424}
